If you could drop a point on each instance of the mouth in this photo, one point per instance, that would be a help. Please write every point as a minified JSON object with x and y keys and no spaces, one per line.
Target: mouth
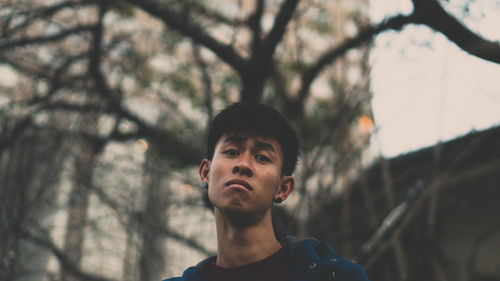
{"x":238,"y":182}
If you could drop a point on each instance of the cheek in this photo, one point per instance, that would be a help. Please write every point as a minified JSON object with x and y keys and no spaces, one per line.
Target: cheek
{"x":273,"y":180}
{"x":215,"y":172}
{"x":215,"y":175}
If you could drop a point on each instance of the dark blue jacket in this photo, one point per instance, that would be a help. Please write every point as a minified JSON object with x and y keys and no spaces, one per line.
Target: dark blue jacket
{"x":311,"y":260}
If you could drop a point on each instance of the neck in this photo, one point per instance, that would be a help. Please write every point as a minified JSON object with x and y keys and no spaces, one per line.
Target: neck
{"x":244,"y":244}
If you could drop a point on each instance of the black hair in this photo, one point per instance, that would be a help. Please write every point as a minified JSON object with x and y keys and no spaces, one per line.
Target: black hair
{"x":258,"y":120}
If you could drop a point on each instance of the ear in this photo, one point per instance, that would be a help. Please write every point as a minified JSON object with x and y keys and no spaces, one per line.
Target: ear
{"x":286,"y":187}
{"x":204,"y":169}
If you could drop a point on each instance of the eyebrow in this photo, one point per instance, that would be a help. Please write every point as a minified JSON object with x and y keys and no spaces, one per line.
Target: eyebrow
{"x":264,"y":145}
{"x":259,"y":144}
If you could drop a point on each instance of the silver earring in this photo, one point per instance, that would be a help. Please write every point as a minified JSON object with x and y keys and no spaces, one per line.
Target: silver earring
{"x":278,"y":200}
{"x":204,"y":185}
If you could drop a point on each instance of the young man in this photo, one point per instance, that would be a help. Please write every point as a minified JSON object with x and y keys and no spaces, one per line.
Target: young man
{"x":251,"y":155}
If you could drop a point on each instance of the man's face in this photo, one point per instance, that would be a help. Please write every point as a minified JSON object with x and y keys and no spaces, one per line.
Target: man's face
{"x":244,"y":176}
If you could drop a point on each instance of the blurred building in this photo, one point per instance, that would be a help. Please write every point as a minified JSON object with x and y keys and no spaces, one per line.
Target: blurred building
{"x":443,"y":221}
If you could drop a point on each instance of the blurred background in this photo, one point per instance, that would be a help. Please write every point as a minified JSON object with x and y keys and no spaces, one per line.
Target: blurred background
{"x":104,"y":108}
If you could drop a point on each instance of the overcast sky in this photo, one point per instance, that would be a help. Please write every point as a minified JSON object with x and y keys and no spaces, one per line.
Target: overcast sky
{"x":425,"y":88}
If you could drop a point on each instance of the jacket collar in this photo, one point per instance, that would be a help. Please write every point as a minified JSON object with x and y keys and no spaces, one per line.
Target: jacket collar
{"x":307,"y":256}
{"x":310,"y":256}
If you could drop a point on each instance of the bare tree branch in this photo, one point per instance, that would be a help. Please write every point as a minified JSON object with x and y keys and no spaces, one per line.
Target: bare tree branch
{"x":276,"y":34}
{"x":181,"y":151}
{"x":196,"y":33}
{"x":42,"y":12}
{"x":254,"y":22}
{"x":427,"y":12}
{"x":61,"y":257}
{"x":213,"y":15}
{"x":365,"y":35}
{"x":23,"y":42}
{"x":206,"y":80}
{"x":432,"y":14}
{"x":142,"y":220}
{"x":402,"y":216}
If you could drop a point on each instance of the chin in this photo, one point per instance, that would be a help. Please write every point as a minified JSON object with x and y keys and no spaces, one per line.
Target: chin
{"x":241,"y":216}
{"x":235,"y":208}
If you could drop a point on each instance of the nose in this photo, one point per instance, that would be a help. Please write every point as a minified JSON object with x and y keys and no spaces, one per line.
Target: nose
{"x":243,"y":166}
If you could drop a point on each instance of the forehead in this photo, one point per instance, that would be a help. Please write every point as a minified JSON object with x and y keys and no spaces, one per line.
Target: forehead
{"x":262,"y":141}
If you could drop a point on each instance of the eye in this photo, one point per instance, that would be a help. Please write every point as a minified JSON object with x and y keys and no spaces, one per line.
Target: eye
{"x":262,"y":158}
{"x":231,"y":152}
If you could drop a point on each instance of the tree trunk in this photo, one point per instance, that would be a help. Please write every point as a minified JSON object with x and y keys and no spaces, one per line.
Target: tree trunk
{"x":85,"y":154}
{"x":152,"y":259}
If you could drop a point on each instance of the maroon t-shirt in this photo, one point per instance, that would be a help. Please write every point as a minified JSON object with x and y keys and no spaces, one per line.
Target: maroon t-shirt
{"x":274,"y":267}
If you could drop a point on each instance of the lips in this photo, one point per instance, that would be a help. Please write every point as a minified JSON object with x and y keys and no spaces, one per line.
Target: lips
{"x":240,"y":182}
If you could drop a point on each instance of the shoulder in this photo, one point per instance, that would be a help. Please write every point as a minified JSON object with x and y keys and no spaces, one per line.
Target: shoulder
{"x":313,"y":259}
